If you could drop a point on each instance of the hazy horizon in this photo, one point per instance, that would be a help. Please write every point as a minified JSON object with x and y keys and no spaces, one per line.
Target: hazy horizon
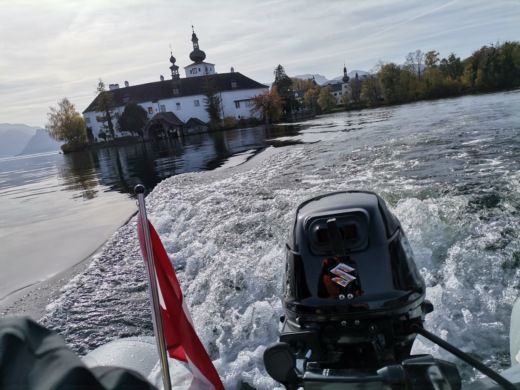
{"x":60,"y":49}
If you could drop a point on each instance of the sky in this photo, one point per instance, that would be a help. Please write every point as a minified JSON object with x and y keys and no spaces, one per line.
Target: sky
{"x":55,"y":49}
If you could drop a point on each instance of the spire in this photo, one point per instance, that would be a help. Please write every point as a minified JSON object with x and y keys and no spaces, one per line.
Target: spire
{"x":196,"y":55}
{"x":345,"y":78}
{"x":174,"y":68}
{"x":194,"y":38}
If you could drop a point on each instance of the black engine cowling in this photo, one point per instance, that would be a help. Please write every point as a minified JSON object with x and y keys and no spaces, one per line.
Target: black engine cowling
{"x":352,"y":289}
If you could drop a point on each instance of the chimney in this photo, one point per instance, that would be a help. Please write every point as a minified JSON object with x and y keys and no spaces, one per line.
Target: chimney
{"x":161,"y":77}
{"x":111,"y":87}
{"x":127,"y":84}
{"x":232,"y":70}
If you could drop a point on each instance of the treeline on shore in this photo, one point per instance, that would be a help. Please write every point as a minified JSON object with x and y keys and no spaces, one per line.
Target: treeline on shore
{"x":427,"y":76}
{"x":422,"y":76}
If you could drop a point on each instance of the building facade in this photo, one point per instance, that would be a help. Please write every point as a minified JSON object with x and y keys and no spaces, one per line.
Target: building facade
{"x":183,"y":98}
{"x":340,"y":88}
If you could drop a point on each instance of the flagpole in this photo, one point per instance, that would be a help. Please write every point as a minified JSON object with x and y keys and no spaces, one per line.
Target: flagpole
{"x":154,"y":294}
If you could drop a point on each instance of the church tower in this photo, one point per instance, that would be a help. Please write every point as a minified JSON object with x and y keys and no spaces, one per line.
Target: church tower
{"x":345,"y":85}
{"x":198,"y":67}
{"x":176,"y":81}
{"x":345,"y":78}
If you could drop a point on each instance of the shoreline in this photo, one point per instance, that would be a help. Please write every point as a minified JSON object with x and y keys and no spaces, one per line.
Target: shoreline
{"x":31,"y":301}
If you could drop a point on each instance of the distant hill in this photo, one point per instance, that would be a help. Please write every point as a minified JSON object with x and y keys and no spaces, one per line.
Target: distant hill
{"x":319,"y":78}
{"x":322,"y":80}
{"x":14,"y":137}
{"x":40,"y":142}
{"x":352,"y":74}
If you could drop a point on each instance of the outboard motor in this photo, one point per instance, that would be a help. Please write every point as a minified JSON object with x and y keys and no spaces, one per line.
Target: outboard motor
{"x":352,"y":292}
{"x":354,"y":303}
{"x":351,"y":283}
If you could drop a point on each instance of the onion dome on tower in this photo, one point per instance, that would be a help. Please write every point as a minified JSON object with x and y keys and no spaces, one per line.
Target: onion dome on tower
{"x":196,"y":55}
{"x":345,"y":78}
{"x":174,"y":68}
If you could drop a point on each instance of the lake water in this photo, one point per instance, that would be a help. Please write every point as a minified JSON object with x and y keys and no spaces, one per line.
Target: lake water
{"x":57,"y":209}
{"x":449,"y":169}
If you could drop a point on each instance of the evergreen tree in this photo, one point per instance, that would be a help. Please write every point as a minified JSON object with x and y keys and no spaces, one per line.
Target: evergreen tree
{"x":283,"y":85}
{"x":282,"y":82}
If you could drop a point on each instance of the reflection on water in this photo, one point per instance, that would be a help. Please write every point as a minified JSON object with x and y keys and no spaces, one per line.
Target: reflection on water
{"x":79,"y":174}
{"x":121,"y":168}
{"x":89,"y":173}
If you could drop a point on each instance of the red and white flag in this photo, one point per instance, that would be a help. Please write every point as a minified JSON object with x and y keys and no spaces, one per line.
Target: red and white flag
{"x":182,"y":341}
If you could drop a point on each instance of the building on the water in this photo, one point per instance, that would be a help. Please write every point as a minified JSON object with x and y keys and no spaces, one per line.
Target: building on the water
{"x":177,"y":106}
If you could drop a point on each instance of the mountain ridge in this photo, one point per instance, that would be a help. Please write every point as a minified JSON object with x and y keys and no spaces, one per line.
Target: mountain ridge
{"x":322,"y":80}
{"x":40,"y":142}
{"x":17,"y":139}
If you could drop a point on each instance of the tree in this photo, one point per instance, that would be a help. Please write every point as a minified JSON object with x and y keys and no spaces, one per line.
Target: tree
{"x":371,"y":91}
{"x":355,"y":90}
{"x":431,"y":59}
{"x":414,"y":61}
{"x":325,"y":100}
{"x":283,"y":85}
{"x":390,"y":79}
{"x":411,"y":85}
{"x":212,"y":104}
{"x":133,"y":119}
{"x":90,"y":135}
{"x":302,"y":85}
{"x":105,"y":104}
{"x":435,"y":85}
{"x":310,"y":99}
{"x":452,"y":67}
{"x":282,"y":82}
{"x":269,"y":105}
{"x":510,"y":65}
{"x":66,"y":124}
{"x":481,"y":69}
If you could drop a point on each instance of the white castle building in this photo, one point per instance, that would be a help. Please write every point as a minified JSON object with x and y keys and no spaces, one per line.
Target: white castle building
{"x":179,"y":104}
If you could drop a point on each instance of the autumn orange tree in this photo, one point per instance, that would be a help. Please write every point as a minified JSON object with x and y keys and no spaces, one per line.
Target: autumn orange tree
{"x":269,"y":105}
{"x":66,"y":124}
